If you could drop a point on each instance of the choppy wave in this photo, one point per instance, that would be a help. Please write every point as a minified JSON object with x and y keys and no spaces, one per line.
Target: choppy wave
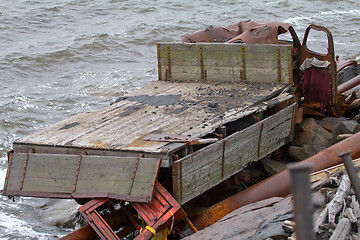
{"x":58,"y":58}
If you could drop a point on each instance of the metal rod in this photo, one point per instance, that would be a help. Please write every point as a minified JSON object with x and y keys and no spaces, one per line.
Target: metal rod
{"x":350,"y":169}
{"x":349,"y":84}
{"x":303,"y":207}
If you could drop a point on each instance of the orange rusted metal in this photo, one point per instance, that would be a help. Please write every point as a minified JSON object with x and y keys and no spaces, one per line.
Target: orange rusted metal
{"x":161,"y":212}
{"x":95,"y":220}
{"x":277,"y":185}
{"x":115,"y":220}
{"x":244,"y":32}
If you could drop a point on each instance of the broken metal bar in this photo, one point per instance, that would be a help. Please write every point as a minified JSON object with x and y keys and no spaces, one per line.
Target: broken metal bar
{"x":303,"y":207}
{"x":350,"y":169}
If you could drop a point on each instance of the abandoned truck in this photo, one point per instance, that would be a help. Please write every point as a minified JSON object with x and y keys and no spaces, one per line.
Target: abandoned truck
{"x":225,"y":97}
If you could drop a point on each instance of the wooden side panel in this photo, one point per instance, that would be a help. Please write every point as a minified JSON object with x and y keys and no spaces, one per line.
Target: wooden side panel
{"x":264,"y":63}
{"x":75,"y":176}
{"x":204,"y":169}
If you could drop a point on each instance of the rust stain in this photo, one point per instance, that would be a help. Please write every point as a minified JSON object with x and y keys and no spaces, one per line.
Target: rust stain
{"x":100,"y":144}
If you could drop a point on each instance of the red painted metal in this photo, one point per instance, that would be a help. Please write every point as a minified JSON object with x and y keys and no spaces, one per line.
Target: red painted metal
{"x":161,"y":212}
{"x":115,"y":220}
{"x":91,"y":215}
{"x":277,"y":185}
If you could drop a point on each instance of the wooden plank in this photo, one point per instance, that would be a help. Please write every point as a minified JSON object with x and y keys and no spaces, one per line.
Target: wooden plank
{"x":176,"y":108}
{"x":202,"y":170}
{"x":52,"y":175}
{"x":199,"y":62}
{"x":256,"y":74}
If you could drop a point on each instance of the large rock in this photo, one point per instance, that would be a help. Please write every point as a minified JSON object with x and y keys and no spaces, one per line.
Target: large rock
{"x":312,"y":133}
{"x":297,"y":153}
{"x":304,"y":152}
{"x":272,"y":167}
{"x":329,"y":123}
{"x":343,"y":127}
{"x":260,"y":220}
{"x":311,"y":150}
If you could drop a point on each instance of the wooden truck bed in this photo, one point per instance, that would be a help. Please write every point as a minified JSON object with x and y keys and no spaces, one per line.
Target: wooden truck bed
{"x":201,"y":88}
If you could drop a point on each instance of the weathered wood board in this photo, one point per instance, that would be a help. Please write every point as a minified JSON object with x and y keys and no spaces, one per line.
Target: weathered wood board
{"x":204,"y":169}
{"x":168,"y":107}
{"x":81,"y":176}
{"x":265,"y":63}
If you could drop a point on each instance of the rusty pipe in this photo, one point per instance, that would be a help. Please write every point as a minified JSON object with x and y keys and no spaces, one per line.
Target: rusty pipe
{"x":303,"y":207}
{"x":277,"y":185}
{"x":350,"y":169}
{"x":349,"y":84}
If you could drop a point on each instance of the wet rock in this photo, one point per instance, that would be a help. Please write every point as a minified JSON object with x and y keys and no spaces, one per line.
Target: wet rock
{"x":356,"y":129}
{"x":329,"y":123}
{"x":260,"y":220}
{"x":343,"y":127}
{"x":311,"y":150}
{"x":272,"y":167}
{"x":297,"y":153}
{"x":61,"y":213}
{"x":313,"y":133}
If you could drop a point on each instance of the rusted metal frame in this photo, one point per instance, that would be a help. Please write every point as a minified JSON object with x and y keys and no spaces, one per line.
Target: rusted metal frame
{"x":243,"y":61}
{"x":350,"y":169}
{"x":133,"y":175}
{"x":168,"y":70}
{"x":73,"y":195}
{"x":10,"y":157}
{"x":153,"y":180}
{"x":180,"y":181}
{"x":259,"y":142}
{"x":116,"y":219}
{"x":159,"y":62}
{"x":294,"y":116}
{"x":98,"y":224}
{"x":77,"y":171}
{"x":128,"y":213}
{"x":171,"y":210}
{"x":223,"y":158}
{"x":291,"y":66}
{"x":278,"y":56}
{"x":277,"y":185}
{"x":330,"y":56}
{"x":175,"y":177}
{"x":303,"y":207}
{"x":202,"y":70}
{"x":24,"y":169}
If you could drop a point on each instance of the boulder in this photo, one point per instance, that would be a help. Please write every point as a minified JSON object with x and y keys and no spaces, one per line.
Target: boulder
{"x":329,"y":123}
{"x":259,"y":220}
{"x":311,"y":150}
{"x":272,"y":167}
{"x":343,"y":127}
{"x":297,"y":153}
{"x":312,"y":133}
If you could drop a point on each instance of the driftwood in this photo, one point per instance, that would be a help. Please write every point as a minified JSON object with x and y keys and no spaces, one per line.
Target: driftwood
{"x":342,"y":230}
{"x":336,"y":204}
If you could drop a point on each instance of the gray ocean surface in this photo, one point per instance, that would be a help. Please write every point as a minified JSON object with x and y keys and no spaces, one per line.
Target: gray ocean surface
{"x":60,"y":58}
